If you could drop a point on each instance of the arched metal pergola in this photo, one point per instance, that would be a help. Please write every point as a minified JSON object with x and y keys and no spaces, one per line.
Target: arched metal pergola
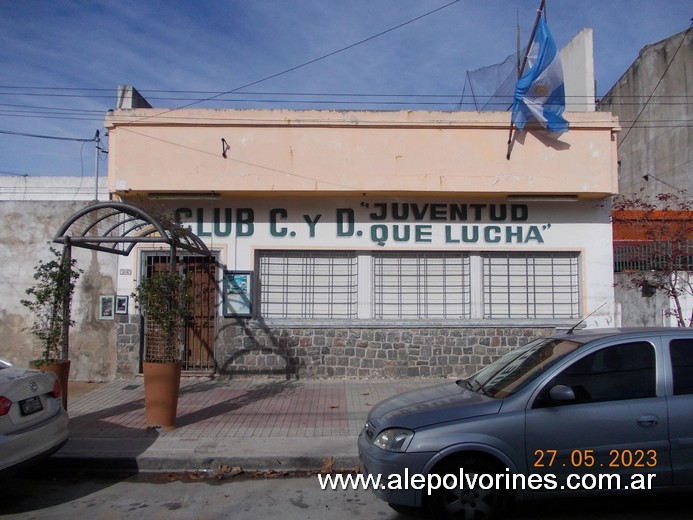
{"x":116,"y":227}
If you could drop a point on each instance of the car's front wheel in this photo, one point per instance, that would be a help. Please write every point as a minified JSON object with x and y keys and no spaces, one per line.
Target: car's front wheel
{"x":471,"y":498}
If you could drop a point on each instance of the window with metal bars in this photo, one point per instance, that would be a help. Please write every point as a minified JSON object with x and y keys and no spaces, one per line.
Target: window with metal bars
{"x":653,"y":256}
{"x":531,"y":285}
{"x":418,"y":285}
{"x":426,"y":285}
{"x":308,"y":284}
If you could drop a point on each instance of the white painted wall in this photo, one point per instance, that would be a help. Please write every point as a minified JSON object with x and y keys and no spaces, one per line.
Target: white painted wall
{"x":577,"y":58}
{"x":311,"y":223}
{"x":17,"y":187}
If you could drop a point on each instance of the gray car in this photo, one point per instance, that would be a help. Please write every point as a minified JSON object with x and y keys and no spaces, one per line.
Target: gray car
{"x":592,"y":411}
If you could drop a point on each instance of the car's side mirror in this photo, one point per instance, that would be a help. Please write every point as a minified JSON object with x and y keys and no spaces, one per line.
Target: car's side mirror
{"x":562,"y":393}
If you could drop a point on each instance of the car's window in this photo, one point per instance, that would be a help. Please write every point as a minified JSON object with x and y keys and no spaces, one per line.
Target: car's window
{"x":507,"y":375}
{"x":682,"y":365}
{"x":625,"y":371}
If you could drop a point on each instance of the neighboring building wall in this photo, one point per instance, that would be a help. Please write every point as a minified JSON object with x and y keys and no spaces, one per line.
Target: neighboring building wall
{"x":640,"y":309}
{"x":18,"y":187}
{"x":33,"y":225}
{"x":655,"y":149}
{"x":31,"y":212}
{"x":652,"y":101}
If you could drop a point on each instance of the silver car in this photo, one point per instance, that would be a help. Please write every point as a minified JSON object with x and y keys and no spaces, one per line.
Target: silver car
{"x":33,"y":422}
{"x":589,"y":411}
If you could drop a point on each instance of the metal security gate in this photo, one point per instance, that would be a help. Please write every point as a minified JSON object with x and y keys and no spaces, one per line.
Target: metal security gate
{"x":198,"y":354}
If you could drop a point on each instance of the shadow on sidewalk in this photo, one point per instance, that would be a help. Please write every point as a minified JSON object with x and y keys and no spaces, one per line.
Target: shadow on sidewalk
{"x":127,"y":419}
{"x":86,"y":451}
{"x":255,"y":393}
{"x":111,"y":421}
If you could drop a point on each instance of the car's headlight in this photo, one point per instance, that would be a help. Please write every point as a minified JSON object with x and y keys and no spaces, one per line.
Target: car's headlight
{"x":394,"y":439}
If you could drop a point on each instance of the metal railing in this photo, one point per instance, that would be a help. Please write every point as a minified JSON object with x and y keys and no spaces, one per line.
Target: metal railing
{"x":653,"y":256}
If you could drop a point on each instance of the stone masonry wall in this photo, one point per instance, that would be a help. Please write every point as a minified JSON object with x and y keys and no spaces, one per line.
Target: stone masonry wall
{"x":249,"y":349}
{"x":128,"y":345}
{"x":365,"y":352}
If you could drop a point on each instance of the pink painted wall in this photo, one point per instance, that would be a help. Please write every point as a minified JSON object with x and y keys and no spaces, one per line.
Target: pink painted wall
{"x":280,"y":151}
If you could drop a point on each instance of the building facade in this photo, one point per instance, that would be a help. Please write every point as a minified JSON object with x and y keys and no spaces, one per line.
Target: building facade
{"x":344,"y":243}
{"x":370,"y":244}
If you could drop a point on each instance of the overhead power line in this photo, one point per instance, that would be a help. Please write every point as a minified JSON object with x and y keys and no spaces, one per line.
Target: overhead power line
{"x":180,"y":95}
{"x":656,"y":86}
{"x":324,"y":56}
{"x":54,"y":137}
{"x":14,"y":174}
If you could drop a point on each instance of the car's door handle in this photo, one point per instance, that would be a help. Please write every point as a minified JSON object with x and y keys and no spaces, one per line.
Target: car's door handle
{"x":648,"y":421}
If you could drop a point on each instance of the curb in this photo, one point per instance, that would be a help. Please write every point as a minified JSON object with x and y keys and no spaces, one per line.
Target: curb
{"x":184,"y":455}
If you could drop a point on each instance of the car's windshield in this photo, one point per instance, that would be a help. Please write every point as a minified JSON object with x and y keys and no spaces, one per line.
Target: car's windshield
{"x":510,"y":373}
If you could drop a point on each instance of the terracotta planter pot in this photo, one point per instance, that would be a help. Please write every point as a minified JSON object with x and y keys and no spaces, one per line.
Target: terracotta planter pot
{"x":62,"y":370}
{"x":161,"y":385}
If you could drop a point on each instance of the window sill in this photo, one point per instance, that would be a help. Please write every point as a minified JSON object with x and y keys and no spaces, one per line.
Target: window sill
{"x":412,"y":323}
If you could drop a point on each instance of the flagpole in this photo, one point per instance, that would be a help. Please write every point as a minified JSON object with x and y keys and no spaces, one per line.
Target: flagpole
{"x":522,"y":68}
{"x":519,"y":42}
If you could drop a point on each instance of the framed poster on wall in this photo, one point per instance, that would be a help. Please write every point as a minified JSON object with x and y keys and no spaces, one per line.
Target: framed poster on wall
{"x":121,"y":304}
{"x":106,"y":307}
{"x":238,"y":294}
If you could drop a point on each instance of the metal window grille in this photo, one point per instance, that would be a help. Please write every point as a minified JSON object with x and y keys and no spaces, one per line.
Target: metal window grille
{"x":653,"y":256}
{"x":308,"y":284}
{"x":421,"y":285}
{"x":531,"y":285}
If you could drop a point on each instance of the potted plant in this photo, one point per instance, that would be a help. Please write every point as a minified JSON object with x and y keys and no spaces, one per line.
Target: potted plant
{"x":165,"y":300}
{"x":50,"y":300}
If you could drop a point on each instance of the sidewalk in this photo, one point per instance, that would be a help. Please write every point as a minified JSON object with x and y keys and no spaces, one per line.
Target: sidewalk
{"x":255,"y":424}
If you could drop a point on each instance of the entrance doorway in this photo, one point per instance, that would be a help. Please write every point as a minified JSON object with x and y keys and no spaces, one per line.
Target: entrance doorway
{"x":198,"y":348}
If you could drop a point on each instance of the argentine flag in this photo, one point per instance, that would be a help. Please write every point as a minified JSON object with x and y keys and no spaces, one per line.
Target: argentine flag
{"x":540,"y":92}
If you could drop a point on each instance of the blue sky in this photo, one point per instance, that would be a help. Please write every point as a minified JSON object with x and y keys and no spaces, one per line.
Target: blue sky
{"x":62,"y":60}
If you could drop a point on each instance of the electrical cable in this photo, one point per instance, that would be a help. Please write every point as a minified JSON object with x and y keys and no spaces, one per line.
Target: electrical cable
{"x":656,"y":86}
{"x":682,"y":99}
{"x":315,"y":60}
{"x":54,"y":137}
